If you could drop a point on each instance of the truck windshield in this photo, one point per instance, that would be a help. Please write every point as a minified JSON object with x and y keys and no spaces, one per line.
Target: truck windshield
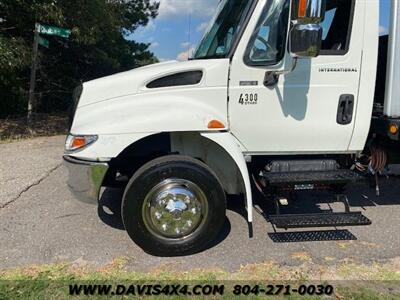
{"x":223,"y":29}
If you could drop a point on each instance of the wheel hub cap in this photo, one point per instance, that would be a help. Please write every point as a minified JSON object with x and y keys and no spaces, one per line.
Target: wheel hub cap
{"x":174,"y":209}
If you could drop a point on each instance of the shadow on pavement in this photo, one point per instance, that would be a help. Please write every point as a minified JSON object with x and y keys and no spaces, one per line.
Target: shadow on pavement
{"x":109,"y":209}
{"x":363,"y":195}
{"x":360,"y":196}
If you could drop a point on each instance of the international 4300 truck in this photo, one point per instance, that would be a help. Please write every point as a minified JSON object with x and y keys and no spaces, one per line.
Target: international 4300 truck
{"x":280,"y":96}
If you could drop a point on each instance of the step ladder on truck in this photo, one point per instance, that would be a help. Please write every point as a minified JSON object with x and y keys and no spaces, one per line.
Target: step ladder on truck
{"x":280,"y":97}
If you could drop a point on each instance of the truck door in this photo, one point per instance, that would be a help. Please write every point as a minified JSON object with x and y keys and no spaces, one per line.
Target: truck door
{"x":309,"y":110}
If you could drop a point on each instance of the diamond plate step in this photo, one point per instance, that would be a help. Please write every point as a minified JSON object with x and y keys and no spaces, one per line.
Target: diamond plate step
{"x":319,"y":220}
{"x":321,"y":177}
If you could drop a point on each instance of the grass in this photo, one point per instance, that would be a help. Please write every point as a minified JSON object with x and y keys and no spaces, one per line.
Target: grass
{"x":52,"y":281}
{"x":14,"y":129}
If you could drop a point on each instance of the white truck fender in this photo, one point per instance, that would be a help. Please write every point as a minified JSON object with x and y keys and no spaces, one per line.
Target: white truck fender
{"x":228,"y":142}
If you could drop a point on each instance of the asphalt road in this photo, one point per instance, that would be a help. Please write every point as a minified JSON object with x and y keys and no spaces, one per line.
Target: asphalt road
{"x":40,"y":222}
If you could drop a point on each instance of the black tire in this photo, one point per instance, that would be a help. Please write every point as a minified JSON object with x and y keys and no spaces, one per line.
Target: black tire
{"x":151,"y":175}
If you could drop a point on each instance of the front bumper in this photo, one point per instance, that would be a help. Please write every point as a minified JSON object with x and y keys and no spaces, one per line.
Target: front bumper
{"x":85,"y":178}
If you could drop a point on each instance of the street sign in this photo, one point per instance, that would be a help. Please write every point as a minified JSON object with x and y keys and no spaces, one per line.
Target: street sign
{"x":38,"y":40}
{"x":52,"y":30}
{"x":43,"y":42}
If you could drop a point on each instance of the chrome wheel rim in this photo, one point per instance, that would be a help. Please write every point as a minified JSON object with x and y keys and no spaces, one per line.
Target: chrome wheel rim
{"x":175,"y":209}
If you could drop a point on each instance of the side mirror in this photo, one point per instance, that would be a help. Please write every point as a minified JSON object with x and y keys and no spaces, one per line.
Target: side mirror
{"x":306,"y":32}
{"x":305,"y":40}
{"x":305,"y":37}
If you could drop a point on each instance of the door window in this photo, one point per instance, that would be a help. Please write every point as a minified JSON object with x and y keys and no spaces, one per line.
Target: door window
{"x":267,"y":44}
{"x":337,"y":27}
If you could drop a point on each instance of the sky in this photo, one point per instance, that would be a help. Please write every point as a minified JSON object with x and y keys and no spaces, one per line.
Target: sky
{"x":169,"y":33}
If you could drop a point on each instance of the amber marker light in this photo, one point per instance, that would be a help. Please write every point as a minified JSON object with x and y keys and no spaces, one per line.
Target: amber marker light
{"x":215,"y":124}
{"x":302,"y":8}
{"x":76,"y":142}
{"x":393,"y":129}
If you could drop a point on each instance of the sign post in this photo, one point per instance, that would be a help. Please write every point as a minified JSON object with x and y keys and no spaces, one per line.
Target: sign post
{"x":38,"y":40}
{"x":31,"y":98}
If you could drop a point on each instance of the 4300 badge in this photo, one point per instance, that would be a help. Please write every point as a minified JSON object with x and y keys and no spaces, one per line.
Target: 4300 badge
{"x":248,"y":99}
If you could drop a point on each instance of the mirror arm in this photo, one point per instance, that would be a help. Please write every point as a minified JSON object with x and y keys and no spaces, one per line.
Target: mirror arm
{"x":292,"y":68}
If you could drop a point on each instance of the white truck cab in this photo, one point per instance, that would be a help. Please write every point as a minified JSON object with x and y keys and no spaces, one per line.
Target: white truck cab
{"x":276,"y":89}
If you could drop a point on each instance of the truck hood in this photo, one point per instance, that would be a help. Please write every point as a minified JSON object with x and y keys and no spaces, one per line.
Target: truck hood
{"x":134,"y":81}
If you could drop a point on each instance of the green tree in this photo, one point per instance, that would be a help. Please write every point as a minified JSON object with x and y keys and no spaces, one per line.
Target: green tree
{"x":96,"y":48}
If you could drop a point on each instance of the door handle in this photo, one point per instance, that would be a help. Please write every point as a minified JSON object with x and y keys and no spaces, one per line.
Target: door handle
{"x":346,"y":109}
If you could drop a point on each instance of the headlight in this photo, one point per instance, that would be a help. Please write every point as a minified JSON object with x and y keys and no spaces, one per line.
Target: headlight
{"x":76,"y":142}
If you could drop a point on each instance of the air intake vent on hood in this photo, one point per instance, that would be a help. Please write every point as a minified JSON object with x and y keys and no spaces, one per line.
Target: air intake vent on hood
{"x":178,"y":79}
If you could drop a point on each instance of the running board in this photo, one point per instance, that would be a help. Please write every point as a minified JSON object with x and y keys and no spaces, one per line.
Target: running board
{"x":319,"y":220}
{"x":302,"y":180}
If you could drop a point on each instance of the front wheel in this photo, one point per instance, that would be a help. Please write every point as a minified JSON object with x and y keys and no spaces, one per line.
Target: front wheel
{"x":174,"y":205}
